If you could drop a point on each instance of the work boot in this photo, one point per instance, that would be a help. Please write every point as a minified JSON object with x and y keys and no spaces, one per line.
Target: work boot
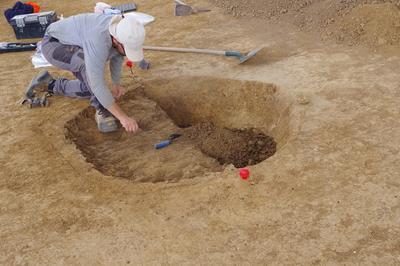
{"x":106,"y":122}
{"x":43,"y":82}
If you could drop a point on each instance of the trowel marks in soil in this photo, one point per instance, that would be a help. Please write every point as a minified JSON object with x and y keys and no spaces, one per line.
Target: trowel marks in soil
{"x":240,"y":147}
{"x":133,"y":156}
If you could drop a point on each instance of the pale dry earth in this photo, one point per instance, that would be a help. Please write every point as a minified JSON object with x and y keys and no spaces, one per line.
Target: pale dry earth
{"x":330,"y":195}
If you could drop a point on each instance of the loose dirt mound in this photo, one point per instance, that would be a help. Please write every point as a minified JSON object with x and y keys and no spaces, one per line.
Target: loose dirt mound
{"x":373,"y":25}
{"x":240,"y":147}
{"x":308,"y":14}
{"x":356,"y":22}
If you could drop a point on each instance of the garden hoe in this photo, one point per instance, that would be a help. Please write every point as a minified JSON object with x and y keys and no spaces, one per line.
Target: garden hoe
{"x":182,"y":9}
{"x":242,"y":57}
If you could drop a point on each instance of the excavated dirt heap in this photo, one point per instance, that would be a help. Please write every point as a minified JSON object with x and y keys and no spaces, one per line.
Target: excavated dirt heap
{"x":354,"y":22}
{"x":240,"y":147}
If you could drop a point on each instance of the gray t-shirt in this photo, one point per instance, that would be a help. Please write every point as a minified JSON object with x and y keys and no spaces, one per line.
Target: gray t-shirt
{"x":90,"y":31}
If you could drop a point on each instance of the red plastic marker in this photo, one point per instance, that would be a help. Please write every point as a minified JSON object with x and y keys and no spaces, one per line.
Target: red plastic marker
{"x":244,"y":173}
{"x":130,"y":65}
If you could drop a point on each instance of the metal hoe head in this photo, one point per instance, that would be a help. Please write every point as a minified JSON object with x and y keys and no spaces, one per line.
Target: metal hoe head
{"x":182,"y":9}
{"x":245,"y":58}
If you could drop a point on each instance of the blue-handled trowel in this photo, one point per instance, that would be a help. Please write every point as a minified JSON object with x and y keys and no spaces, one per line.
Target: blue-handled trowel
{"x":167,"y":142}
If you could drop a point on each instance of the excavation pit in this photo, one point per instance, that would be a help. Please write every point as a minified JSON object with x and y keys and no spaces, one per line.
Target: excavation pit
{"x":221,"y":122}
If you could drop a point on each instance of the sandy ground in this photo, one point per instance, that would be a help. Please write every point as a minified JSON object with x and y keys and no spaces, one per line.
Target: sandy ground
{"x":330,"y":194}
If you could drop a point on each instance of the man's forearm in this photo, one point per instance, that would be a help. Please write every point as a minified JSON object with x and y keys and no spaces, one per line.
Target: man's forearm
{"x":117,"y":111}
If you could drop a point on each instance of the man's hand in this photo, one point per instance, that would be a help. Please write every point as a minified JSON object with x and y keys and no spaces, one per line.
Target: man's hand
{"x":117,"y":91}
{"x":129,"y":124}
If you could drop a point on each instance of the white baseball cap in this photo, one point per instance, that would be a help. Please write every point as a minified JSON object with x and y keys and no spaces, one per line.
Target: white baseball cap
{"x":130,"y":32}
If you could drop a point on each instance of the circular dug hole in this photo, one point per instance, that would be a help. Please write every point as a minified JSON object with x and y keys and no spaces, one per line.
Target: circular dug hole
{"x":221,"y":121}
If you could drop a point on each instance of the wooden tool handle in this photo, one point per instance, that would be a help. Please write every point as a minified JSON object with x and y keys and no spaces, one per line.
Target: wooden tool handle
{"x":184,"y":50}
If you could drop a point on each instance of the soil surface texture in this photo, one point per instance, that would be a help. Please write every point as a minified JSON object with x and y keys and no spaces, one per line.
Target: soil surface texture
{"x":325,"y":88}
{"x":354,"y":22}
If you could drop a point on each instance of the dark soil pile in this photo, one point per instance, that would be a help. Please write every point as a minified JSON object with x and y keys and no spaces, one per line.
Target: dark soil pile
{"x":240,"y":147}
{"x":351,"y":21}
